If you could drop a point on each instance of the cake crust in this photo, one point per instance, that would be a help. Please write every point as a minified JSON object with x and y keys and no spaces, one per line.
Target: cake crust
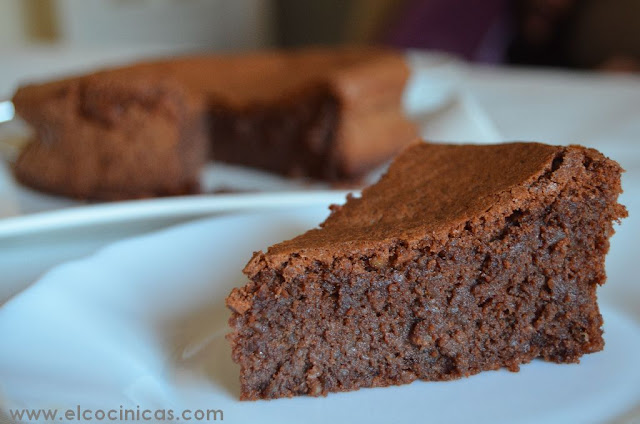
{"x":460,"y":259}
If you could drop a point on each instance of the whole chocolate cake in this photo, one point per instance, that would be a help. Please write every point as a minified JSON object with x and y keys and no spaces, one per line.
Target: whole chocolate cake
{"x":142,"y":130}
{"x":462,"y":258}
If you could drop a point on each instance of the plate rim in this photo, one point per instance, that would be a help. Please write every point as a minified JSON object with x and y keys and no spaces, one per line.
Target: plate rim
{"x":183,"y":207}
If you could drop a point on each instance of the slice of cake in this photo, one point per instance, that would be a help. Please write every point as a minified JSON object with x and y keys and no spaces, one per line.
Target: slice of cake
{"x":327,"y":114}
{"x":462,"y":258}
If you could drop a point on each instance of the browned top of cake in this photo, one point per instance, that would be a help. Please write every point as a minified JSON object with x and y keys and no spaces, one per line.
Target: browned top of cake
{"x":430,"y":191}
{"x":243,"y":80}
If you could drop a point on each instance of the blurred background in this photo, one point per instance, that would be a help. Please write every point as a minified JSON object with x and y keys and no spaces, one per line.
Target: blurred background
{"x":594,"y":34}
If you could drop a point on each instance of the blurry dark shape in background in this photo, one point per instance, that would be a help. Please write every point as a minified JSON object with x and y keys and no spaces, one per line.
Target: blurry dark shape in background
{"x":577,"y":33}
{"x":567,"y":33}
{"x":301,"y":23}
{"x":605,"y":34}
{"x":591,"y":34}
{"x":43,"y":25}
{"x":473,"y":29}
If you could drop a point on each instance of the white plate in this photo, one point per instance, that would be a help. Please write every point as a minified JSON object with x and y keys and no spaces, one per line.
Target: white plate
{"x":167,"y":208}
{"x":141,"y":323}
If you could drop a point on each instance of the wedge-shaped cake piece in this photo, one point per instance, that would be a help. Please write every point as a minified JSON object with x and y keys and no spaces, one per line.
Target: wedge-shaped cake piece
{"x":462,"y":258}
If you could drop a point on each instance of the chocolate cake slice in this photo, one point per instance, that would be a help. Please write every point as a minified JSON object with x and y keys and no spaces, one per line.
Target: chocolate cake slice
{"x":141,"y":130}
{"x":462,"y":258}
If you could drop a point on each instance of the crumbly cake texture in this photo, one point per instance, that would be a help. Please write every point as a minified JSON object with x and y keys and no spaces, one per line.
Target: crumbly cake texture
{"x":141,"y":130}
{"x":462,"y":258}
